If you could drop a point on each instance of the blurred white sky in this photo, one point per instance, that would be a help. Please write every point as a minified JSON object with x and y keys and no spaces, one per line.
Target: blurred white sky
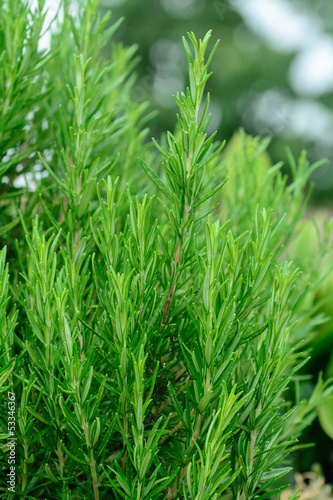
{"x":293,"y":28}
{"x":289,"y":28}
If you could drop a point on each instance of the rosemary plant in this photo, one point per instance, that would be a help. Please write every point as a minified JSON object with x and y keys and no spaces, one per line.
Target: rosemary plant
{"x":149,"y":344}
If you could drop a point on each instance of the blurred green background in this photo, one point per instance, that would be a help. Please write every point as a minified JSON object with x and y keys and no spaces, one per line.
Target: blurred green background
{"x":273,"y":71}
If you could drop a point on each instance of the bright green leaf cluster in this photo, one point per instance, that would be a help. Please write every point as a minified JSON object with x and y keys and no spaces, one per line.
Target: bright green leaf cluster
{"x":151,"y":342}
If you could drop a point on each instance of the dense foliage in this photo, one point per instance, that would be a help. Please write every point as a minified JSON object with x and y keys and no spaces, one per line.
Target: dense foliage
{"x":151,"y":344}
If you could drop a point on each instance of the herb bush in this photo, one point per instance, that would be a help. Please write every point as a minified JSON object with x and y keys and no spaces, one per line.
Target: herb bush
{"x":152,"y":344}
